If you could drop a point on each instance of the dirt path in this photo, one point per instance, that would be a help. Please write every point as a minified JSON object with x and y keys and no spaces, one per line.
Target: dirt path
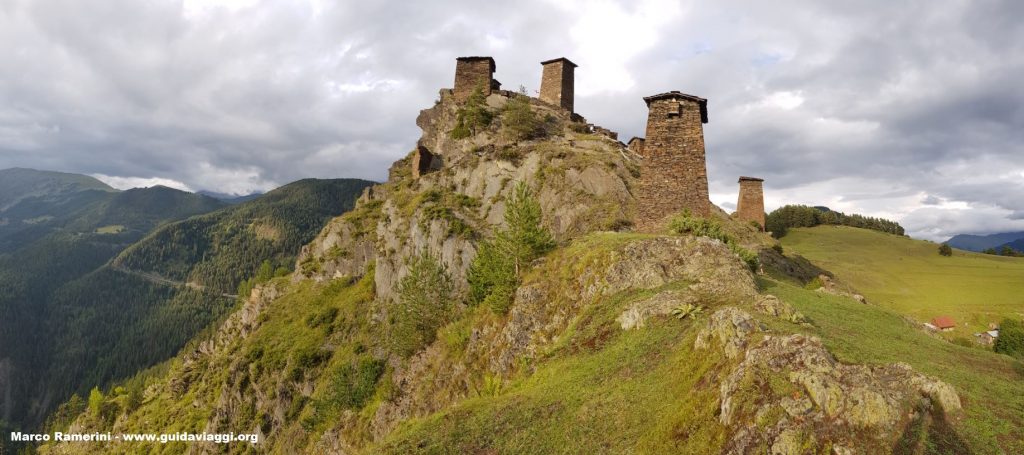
{"x":154,"y":278}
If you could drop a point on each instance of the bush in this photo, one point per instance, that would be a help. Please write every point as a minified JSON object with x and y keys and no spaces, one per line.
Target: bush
{"x":704,"y":227}
{"x":519,"y":122}
{"x":945,"y":250}
{"x":814,"y":284}
{"x":95,"y":401}
{"x":500,"y":262}
{"x":424,"y":305}
{"x":1011,"y":338}
{"x":473,"y":116}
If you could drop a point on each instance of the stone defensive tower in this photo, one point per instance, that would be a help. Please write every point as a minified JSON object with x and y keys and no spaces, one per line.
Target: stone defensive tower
{"x":750,"y":206}
{"x":470,"y":73}
{"x":673,"y":173}
{"x":556,"y":82}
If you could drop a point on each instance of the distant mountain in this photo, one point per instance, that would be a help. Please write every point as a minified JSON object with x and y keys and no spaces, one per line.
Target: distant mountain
{"x":125,"y":282}
{"x":17,"y":184}
{"x":1016,"y":245}
{"x":229,"y":198}
{"x":982,"y":242}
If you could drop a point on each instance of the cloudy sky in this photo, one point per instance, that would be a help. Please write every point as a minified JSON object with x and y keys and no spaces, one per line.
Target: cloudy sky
{"x":907,"y":110}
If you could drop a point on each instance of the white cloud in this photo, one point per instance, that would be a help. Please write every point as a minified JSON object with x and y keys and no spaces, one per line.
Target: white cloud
{"x":124,"y":183}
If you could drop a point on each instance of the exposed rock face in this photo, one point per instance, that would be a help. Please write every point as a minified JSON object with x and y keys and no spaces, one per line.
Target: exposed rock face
{"x":730,"y":328}
{"x":812,"y":398}
{"x":770,"y":305}
{"x":582,"y":182}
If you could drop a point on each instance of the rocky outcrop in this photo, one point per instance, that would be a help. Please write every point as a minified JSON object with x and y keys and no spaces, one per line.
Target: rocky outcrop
{"x":582,"y":182}
{"x":730,"y":328}
{"x":788,"y":392}
{"x":770,"y":305}
{"x":544,"y":308}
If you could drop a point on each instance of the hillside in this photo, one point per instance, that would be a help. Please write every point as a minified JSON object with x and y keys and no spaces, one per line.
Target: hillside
{"x":71,"y":321}
{"x":17,"y":184}
{"x":910,"y":277}
{"x":385,"y":340}
{"x":982,"y":242}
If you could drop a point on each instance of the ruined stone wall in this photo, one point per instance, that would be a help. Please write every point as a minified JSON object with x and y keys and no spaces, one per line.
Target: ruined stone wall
{"x":556,"y":83}
{"x":636,"y":145}
{"x":673,"y":174}
{"x":470,"y":73}
{"x":750,"y":205}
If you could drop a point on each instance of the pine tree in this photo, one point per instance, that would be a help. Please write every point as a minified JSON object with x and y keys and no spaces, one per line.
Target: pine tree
{"x":95,"y":401}
{"x":424,"y":304}
{"x":500,"y":263}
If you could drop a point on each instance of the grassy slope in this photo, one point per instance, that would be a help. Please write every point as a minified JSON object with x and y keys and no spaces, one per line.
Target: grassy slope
{"x":648,"y":391}
{"x":990,"y":385}
{"x":911,"y":278}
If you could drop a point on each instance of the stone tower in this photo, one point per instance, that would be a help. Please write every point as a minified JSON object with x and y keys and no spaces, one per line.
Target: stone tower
{"x":556,"y":82}
{"x":673,"y":174}
{"x":750,"y":206}
{"x":470,"y":73}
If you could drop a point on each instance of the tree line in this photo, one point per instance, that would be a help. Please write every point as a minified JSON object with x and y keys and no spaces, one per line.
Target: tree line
{"x":782,"y":219}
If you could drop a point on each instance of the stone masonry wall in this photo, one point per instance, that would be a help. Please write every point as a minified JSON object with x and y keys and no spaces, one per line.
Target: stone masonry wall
{"x":673,"y":174}
{"x":556,"y":83}
{"x":750,"y":206}
{"x":470,"y":73}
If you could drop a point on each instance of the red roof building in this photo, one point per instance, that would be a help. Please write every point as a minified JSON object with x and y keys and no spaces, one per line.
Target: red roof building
{"x":944,"y":323}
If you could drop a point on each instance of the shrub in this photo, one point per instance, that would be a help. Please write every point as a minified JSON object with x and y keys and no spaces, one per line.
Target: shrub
{"x":473,"y":116}
{"x":704,"y":227}
{"x":945,"y":250}
{"x":95,"y":401}
{"x":814,"y":284}
{"x":424,"y":305}
{"x":519,"y":122}
{"x":698,"y":226}
{"x":353,"y":385}
{"x":500,"y":262}
{"x":1011,"y":338}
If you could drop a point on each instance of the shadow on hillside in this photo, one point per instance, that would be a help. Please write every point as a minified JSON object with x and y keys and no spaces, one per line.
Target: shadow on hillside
{"x":794,"y":266}
{"x":930,"y":433}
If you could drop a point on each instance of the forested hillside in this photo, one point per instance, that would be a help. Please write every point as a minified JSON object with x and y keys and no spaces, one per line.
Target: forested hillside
{"x":68,"y":320}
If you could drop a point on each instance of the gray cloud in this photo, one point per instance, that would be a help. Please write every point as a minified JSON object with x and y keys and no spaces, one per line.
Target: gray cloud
{"x":910,"y":110}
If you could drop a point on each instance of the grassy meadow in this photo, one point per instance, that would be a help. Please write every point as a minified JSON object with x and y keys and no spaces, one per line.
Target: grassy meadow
{"x":910,"y":277}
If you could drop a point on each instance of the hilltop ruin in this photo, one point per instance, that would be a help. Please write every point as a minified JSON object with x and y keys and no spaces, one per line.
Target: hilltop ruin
{"x":672,"y":158}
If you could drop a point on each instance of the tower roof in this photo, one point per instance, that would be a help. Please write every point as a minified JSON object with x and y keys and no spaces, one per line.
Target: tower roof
{"x":750,"y":179}
{"x":477,"y":59}
{"x":675,"y":94}
{"x":545,"y":62}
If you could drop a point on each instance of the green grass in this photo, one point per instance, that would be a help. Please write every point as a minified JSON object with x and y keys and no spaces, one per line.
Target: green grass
{"x":599,"y":392}
{"x":111,"y":229}
{"x":991,"y":386}
{"x":911,"y":278}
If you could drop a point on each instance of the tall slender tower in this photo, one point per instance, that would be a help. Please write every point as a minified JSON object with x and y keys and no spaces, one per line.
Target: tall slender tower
{"x":556,"y":82}
{"x":673,"y":173}
{"x":750,"y":205}
{"x":470,"y":73}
